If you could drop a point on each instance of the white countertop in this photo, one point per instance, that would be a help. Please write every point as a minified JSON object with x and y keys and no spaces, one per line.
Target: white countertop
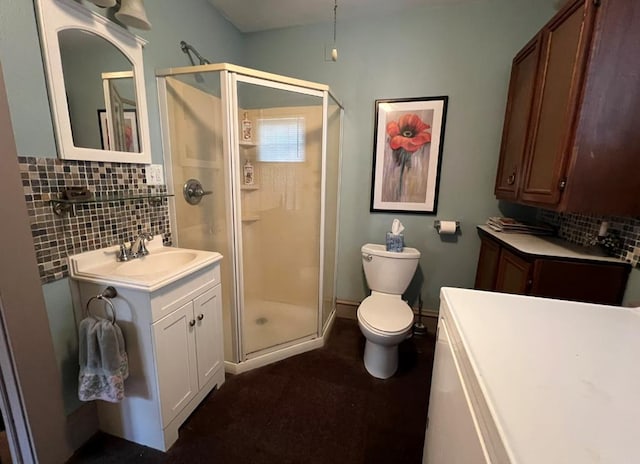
{"x":561,"y":379}
{"x":540,"y":245}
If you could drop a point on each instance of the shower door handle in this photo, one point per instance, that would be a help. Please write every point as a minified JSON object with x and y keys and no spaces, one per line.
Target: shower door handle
{"x":193,"y":191}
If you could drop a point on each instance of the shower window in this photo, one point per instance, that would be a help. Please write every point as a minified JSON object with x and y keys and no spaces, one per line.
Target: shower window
{"x":281,"y":140}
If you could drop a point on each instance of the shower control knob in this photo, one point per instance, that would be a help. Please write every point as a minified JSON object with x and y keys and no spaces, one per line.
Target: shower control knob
{"x":200,"y":317}
{"x":193,"y":191}
{"x":192,"y":322}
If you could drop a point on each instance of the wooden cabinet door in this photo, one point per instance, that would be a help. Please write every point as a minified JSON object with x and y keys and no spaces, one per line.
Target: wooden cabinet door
{"x":516,"y":120}
{"x":174,"y":340}
{"x":487,"y":264}
{"x":514,"y":274}
{"x":602,"y":283}
{"x":208,"y":313}
{"x":562,"y":64}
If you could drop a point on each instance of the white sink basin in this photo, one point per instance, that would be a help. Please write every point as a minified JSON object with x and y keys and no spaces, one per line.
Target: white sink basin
{"x":160,"y":267}
{"x":156,"y":263}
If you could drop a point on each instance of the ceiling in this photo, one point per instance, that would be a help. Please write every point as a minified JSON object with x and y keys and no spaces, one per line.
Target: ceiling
{"x":260,"y":15}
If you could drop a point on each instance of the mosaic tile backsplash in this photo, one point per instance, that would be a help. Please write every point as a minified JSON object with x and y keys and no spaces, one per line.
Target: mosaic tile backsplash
{"x":95,"y":225}
{"x":623,"y":232}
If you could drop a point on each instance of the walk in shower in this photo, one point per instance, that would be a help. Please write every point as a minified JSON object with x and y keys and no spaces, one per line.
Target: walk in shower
{"x":254,"y":162}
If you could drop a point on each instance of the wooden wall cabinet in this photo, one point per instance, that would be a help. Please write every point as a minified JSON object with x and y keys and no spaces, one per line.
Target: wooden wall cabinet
{"x":571,"y":137}
{"x":503,"y":268}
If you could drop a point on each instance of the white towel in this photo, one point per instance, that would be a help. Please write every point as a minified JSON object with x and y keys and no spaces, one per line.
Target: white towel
{"x":103,"y":361}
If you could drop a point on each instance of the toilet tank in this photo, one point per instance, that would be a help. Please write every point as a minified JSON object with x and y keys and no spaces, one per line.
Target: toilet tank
{"x":389,"y":271}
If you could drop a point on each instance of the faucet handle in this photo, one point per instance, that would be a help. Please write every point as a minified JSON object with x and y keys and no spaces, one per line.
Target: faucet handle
{"x":142,"y":249}
{"x":123,"y":254}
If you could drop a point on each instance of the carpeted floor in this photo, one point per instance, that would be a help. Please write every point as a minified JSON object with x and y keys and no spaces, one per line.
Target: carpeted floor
{"x":320,"y":407}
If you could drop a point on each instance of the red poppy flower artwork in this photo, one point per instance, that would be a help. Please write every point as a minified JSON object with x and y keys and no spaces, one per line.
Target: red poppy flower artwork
{"x":409,"y":132}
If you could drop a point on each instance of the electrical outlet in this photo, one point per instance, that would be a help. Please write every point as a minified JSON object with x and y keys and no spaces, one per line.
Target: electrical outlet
{"x":155,"y":175}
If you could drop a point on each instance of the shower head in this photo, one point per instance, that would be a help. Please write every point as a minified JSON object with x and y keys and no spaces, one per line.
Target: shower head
{"x":188,"y":49}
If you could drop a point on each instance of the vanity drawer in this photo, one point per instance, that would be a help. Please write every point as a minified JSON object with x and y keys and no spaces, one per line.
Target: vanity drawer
{"x":173,"y":296}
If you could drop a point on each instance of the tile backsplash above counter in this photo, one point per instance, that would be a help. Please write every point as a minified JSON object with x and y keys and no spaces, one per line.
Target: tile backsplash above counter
{"x":95,"y":225}
{"x":583,"y":229}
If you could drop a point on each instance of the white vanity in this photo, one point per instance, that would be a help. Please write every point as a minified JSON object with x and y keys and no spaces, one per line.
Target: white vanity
{"x":526,"y":380}
{"x":169,"y":309}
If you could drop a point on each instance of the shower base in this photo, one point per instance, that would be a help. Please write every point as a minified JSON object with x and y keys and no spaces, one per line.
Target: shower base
{"x":271,"y":323}
{"x":276,"y":331}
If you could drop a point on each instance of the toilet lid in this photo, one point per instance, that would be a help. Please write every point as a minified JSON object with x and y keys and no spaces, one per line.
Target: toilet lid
{"x":386,"y":314}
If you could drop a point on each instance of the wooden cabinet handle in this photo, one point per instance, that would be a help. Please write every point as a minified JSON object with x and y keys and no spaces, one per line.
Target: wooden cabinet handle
{"x":511,"y":179}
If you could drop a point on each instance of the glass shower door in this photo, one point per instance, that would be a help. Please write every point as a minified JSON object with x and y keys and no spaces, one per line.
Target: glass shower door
{"x":278,"y":168}
{"x":333,"y":126}
{"x":194,"y":131}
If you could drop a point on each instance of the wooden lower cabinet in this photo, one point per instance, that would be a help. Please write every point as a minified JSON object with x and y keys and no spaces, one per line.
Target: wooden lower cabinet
{"x":514,"y":274}
{"x":487,"y":265}
{"x":504,"y":269}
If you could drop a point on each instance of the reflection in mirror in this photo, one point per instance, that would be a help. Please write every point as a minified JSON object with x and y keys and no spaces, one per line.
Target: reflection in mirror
{"x":100,"y":92}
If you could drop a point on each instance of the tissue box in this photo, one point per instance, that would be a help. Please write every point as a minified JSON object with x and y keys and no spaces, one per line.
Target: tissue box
{"x":395,"y":242}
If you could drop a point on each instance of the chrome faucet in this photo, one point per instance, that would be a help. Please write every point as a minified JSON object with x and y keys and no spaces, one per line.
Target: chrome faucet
{"x":137,"y":248}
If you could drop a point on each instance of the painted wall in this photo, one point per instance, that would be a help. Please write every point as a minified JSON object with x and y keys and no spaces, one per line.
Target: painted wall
{"x":463,"y":51}
{"x":194,"y":21}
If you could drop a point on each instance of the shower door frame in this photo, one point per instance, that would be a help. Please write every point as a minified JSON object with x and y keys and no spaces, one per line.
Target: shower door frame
{"x":228,"y":75}
{"x":233,"y":142}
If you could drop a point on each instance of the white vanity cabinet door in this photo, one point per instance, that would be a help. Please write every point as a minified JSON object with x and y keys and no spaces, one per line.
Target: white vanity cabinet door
{"x":208,"y":314}
{"x":176,"y":360}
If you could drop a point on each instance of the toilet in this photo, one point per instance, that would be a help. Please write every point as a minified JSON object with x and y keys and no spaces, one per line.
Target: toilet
{"x":384,"y":318}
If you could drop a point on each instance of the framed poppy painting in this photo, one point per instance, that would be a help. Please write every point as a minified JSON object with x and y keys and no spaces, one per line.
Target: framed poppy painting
{"x":407,"y":153}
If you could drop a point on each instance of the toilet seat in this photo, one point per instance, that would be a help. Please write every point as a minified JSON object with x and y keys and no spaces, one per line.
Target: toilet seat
{"x":385,"y":315}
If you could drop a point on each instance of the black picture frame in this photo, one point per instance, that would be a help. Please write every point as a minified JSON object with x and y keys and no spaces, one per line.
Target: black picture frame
{"x":408,"y":141}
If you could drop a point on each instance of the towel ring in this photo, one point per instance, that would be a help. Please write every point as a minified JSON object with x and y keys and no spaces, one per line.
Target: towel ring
{"x":108,"y":302}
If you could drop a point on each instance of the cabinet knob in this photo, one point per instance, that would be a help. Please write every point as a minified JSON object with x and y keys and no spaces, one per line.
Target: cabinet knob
{"x":192,"y":322}
{"x":511,"y":179}
{"x":200,"y":317}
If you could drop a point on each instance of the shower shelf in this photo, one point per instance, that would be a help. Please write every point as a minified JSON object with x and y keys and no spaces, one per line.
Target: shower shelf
{"x":61,"y":206}
{"x":250,"y":187}
{"x":251,"y":218}
{"x":248,"y":144}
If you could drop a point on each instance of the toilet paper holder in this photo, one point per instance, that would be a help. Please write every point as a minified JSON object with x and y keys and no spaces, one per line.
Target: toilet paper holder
{"x":436,"y":225}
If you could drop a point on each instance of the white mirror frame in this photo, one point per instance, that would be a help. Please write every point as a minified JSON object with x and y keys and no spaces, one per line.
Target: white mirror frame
{"x":57,"y":15}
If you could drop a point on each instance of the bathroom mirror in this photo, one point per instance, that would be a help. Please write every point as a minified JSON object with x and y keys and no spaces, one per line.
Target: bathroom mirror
{"x":95,"y":78}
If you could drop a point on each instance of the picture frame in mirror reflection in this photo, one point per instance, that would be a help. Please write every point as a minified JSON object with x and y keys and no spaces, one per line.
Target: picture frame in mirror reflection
{"x":130,"y":140}
{"x":407,"y":154}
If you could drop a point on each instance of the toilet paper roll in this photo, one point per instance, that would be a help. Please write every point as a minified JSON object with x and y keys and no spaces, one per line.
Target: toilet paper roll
{"x":447,"y":227}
